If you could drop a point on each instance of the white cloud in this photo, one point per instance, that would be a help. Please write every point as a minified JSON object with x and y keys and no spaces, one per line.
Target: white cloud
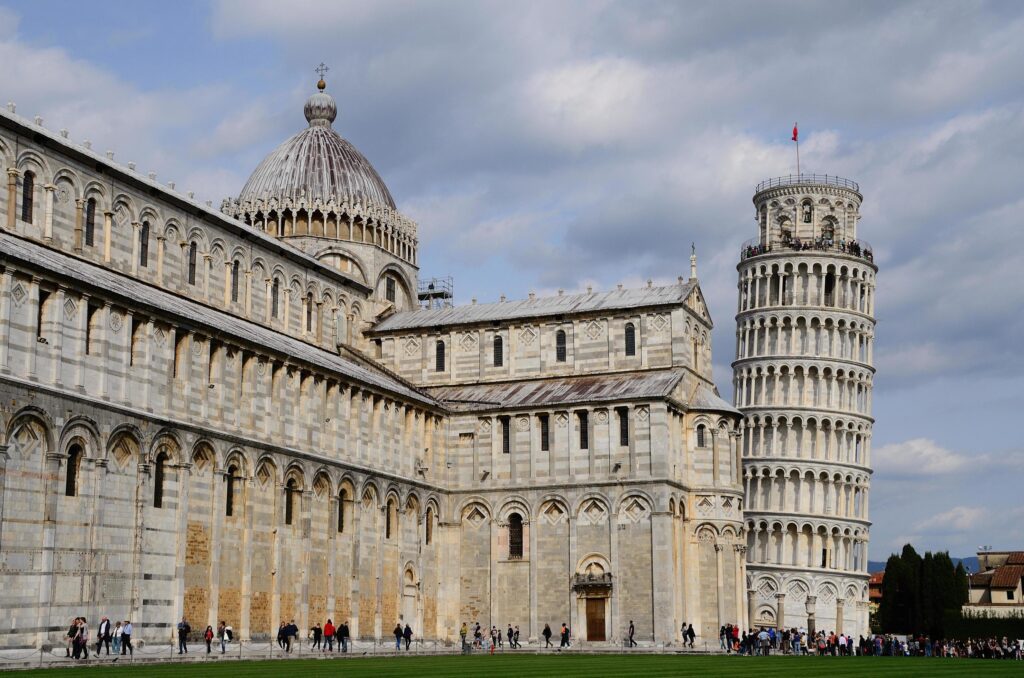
{"x":917,"y":457}
{"x":956,"y":519}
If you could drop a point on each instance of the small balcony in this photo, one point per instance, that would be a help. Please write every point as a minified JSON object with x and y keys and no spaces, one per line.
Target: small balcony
{"x":856,"y":248}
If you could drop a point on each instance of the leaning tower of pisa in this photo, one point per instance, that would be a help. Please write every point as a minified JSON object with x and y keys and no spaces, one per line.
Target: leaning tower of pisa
{"x":802,"y":378}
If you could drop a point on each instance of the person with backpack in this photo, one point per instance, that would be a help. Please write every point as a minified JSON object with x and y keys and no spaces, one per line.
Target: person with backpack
{"x":224,"y":635}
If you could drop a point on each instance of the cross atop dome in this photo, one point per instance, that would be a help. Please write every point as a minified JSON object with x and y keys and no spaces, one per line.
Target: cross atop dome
{"x":321,"y":70}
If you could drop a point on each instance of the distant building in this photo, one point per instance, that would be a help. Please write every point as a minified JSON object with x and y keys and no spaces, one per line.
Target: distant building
{"x":997,"y":589}
{"x":875,"y":587}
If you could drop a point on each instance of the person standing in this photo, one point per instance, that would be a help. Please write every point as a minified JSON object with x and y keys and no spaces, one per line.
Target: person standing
{"x":632,"y":632}
{"x":281,"y":631}
{"x":564,"y":636}
{"x":329,"y":636}
{"x":509,"y":634}
{"x":117,"y":637}
{"x":463,"y":632}
{"x":407,"y":636}
{"x":547,"y":635}
{"x":208,"y":637}
{"x":222,"y":633}
{"x":398,"y":636}
{"x":103,"y":635}
{"x":291,"y":634}
{"x":183,"y":630}
{"x":344,"y":637}
{"x":126,"y":638}
{"x":70,"y":637}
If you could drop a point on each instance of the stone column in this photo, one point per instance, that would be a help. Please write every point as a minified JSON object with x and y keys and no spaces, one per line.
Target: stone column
{"x":32,"y":306}
{"x":79,"y":223}
{"x":751,"y":608}
{"x":4,"y":456}
{"x":12,"y":198}
{"x":136,"y":228}
{"x":780,"y":611}
{"x":662,"y":575}
{"x":719,"y":577}
{"x":839,"y":615}
{"x":108,"y":227}
{"x":48,"y":190}
{"x":160,"y":240}
{"x":6,"y":285}
{"x":57,"y":341}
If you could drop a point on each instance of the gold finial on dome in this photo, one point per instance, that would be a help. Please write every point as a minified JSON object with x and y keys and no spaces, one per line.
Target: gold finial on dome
{"x":321,"y":70}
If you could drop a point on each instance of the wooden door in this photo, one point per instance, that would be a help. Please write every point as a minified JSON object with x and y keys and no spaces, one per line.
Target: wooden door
{"x":595,"y":619}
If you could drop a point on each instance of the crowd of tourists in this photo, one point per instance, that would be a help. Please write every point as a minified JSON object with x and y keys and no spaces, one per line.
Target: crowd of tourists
{"x":118,"y":637}
{"x":765,"y":641}
{"x":823,"y":244}
{"x":485,"y":640}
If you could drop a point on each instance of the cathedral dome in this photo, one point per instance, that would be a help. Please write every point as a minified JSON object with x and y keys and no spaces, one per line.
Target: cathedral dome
{"x":317,"y":164}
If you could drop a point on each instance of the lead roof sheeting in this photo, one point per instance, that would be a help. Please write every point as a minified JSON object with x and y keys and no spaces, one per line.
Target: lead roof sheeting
{"x":213,"y":320}
{"x":568,"y":390}
{"x":706,"y":399}
{"x":544,"y":306}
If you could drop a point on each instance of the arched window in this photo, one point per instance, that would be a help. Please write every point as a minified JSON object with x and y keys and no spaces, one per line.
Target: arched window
{"x":27,"y":190}
{"x":630,"y":339}
{"x":309,"y":312}
{"x":807,"y":211}
{"x":90,"y":221}
{"x":389,"y":289}
{"x":701,"y":433}
{"x":229,"y":486}
{"x":275,"y":293}
{"x":159,"y":469}
{"x":828,"y":231}
{"x":342,"y":498}
{"x":623,"y":413}
{"x":515,"y":537}
{"x":390,"y":518}
{"x":144,"y":245}
{"x":499,"y":353}
{"x":234,"y":281}
{"x":428,"y":535}
{"x":192,"y":251}
{"x":74,"y":462}
{"x":560,"y":346}
{"x":584,"y":420}
{"x":506,"y":434}
{"x":439,"y":356}
{"x":290,"y":490}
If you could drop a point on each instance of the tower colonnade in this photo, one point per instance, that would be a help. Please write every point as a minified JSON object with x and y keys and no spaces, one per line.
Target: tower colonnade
{"x":803,"y":378}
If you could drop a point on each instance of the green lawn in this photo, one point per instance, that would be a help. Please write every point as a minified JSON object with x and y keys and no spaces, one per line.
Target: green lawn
{"x":565,"y":666}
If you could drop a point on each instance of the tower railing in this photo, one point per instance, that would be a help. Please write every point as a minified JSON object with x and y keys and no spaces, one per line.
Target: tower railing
{"x":795,"y":179}
{"x":855,"y":248}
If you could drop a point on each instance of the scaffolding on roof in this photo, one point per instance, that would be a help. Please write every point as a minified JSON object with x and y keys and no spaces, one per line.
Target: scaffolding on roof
{"x":437,"y":293}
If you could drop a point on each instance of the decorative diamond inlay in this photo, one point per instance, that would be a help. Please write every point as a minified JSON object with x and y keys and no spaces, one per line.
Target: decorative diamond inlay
{"x":468,"y":341}
{"x":18,"y":294}
{"x":659,"y":322}
{"x":70,"y":308}
{"x":527,"y":336}
{"x":594,"y":329}
{"x":475,"y":517}
{"x":412,"y":346}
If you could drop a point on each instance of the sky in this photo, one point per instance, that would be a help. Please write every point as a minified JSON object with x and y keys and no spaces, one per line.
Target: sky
{"x":555,"y":145}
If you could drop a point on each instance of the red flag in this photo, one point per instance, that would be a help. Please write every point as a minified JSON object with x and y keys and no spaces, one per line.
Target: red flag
{"x":795,"y":134}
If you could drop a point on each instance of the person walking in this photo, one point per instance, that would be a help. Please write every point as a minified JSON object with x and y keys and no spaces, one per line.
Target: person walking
{"x":316,"y":633}
{"x":103,"y":635}
{"x":329,"y":636}
{"x":344,"y":637}
{"x":397,"y":633}
{"x":632,"y":632}
{"x":547,"y":635}
{"x":116,"y":637}
{"x":511,"y":642}
{"x":281,"y":631}
{"x":565,"y":636}
{"x":407,"y":636}
{"x":691,"y":635}
{"x":70,"y":637}
{"x":183,"y":630}
{"x":515,"y":637}
{"x":222,"y":636}
{"x":291,"y":635}
{"x":126,"y":638}
{"x":208,"y":637}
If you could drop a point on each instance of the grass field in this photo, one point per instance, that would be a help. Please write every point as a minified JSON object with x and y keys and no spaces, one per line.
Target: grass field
{"x":564,"y":666}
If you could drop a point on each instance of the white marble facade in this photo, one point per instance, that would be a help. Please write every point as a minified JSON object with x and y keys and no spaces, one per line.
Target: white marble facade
{"x":242,"y":415}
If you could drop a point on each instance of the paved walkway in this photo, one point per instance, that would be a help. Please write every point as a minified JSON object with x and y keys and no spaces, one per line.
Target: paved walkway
{"x":24,"y":659}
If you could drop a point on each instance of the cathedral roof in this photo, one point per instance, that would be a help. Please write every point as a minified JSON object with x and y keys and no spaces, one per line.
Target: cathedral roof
{"x":318,"y":164}
{"x":561,"y":391}
{"x":539,"y":307}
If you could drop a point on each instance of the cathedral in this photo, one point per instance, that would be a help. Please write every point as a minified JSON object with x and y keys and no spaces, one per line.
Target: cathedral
{"x":261,"y":414}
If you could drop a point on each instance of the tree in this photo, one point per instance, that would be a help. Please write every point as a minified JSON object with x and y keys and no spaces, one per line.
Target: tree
{"x":918,"y":593}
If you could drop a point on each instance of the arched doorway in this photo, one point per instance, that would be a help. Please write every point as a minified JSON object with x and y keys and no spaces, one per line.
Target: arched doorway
{"x":409,"y":591}
{"x":593,"y":587}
